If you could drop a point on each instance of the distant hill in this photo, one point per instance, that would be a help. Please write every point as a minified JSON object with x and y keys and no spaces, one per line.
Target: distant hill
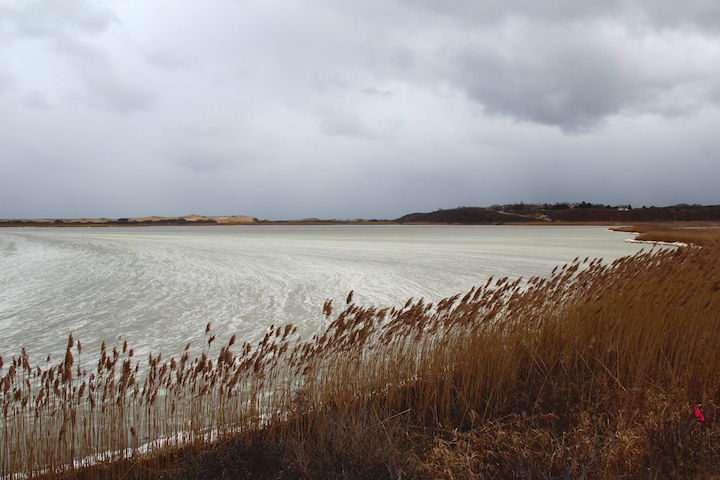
{"x":489,"y":216}
{"x":468,"y":216}
{"x":505,"y":214}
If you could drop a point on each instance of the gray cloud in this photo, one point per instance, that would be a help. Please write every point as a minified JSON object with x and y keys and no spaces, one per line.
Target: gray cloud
{"x":354,"y":109}
{"x":575,"y":84}
{"x":6,"y":78}
{"x":658,"y":14}
{"x":111,"y":92}
{"x":539,"y":91}
{"x":79,"y":50}
{"x":36,"y":100}
{"x":200,"y":162}
{"x":165,"y":59}
{"x":43,"y":18}
{"x":574,"y":64}
{"x":338,"y":122}
{"x":65,"y":25}
{"x":374,"y":91}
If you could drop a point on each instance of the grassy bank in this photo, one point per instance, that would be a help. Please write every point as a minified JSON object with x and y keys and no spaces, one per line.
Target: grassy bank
{"x":599,"y":371}
{"x":697,"y":233}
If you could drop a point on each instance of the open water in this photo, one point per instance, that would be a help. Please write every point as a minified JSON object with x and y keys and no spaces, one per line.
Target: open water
{"x":157,"y":287}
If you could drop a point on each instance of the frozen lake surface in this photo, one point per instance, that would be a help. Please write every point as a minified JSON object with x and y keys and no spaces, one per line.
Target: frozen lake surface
{"x":157,"y":287}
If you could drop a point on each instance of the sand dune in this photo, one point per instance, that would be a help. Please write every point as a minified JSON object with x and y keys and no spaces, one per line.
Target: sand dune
{"x":155,"y":219}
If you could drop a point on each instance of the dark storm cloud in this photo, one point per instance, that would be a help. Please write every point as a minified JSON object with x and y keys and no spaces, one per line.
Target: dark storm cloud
{"x":573,"y":89}
{"x":564,"y":79}
{"x":574,"y":64}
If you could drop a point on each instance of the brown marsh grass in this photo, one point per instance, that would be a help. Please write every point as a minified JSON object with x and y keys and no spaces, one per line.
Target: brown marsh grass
{"x":697,"y":233}
{"x":598,"y":371}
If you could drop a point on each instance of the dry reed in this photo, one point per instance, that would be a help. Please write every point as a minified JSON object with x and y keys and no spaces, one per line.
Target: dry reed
{"x":697,"y":233}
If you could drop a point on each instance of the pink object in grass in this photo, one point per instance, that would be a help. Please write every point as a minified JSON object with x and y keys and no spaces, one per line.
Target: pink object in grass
{"x":699,"y":414}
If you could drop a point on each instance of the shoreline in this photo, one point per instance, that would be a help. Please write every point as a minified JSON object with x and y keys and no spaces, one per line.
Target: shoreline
{"x":208,"y":221}
{"x":672,"y":234}
{"x":661,"y":217}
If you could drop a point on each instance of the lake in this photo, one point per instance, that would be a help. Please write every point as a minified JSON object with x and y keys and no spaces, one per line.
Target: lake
{"x":157,"y":287}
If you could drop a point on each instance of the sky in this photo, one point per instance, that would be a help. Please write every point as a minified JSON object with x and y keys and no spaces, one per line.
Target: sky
{"x":354,"y":108}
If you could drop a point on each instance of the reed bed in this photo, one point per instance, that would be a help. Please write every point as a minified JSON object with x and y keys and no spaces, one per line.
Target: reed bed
{"x":699,"y":236}
{"x":63,"y":417}
{"x":697,"y":233}
{"x":597,"y":371}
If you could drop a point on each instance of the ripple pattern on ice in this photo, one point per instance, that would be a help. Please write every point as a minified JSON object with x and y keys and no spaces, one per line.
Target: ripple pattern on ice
{"x":158,"y":287}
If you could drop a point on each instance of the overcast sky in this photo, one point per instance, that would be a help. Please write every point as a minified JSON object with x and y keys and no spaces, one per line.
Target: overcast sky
{"x":354,"y":108}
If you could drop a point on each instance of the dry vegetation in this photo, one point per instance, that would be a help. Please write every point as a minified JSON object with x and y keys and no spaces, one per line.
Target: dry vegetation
{"x":697,"y":233}
{"x":600,"y":371}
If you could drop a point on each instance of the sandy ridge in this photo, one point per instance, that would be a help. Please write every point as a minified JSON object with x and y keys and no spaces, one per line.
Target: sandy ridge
{"x":194,"y":218}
